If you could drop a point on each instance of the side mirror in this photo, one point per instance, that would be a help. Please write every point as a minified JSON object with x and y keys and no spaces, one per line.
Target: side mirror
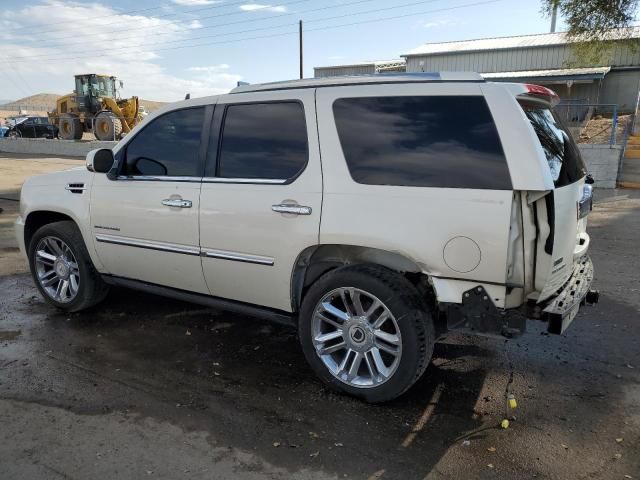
{"x":100,"y":160}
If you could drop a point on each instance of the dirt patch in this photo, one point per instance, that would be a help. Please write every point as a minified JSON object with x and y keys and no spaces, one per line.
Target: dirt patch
{"x":598,"y":129}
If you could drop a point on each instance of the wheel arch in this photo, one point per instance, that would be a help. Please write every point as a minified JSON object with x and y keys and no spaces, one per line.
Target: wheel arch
{"x":40,"y":218}
{"x":316,"y":260}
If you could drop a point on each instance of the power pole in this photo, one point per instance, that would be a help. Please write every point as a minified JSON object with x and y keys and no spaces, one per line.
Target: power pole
{"x":554,"y":15}
{"x":300,"y":46}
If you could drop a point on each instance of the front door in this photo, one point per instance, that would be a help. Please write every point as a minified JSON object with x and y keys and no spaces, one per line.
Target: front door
{"x":261,"y":195}
{"x":145,"y":223}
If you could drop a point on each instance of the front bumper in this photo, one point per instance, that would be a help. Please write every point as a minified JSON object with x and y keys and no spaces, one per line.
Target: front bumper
{"x":560,"y":310}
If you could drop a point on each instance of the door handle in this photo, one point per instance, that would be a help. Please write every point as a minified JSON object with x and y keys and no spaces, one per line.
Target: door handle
{"x":177,"y":202}
{"x":291,"y":208}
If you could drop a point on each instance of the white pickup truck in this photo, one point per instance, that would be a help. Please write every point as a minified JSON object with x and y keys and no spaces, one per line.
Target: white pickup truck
{"x":375,"y":213}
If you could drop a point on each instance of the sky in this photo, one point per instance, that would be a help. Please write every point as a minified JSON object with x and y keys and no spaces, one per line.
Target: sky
{"x":163,"y":49}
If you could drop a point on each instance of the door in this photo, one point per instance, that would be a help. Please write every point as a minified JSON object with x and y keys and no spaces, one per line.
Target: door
{"x":145,"y":223}
{"x":261,"y":195}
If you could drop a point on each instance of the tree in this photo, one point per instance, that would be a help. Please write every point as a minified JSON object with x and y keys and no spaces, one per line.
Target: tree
{"x":593,"y":24}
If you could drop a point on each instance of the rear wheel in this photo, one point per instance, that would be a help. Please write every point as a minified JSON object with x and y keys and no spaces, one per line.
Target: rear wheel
{"x":365,"y":331}
{"x":106,"y":126}
{"x":62,"y":269}
{"x":70,"y":127}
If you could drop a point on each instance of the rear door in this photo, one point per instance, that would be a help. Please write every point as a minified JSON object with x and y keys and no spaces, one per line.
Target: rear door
{"x":562,"y":236}
{"x":261,"y":196}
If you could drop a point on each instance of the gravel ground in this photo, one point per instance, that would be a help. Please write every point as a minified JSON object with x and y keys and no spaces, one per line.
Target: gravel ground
{"x":145,"y":387}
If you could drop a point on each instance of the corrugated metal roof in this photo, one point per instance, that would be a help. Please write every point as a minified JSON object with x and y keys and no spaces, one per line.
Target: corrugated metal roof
{"x":597,"y":72}
{"x":374,"y":63}
{"x":500,"y":43}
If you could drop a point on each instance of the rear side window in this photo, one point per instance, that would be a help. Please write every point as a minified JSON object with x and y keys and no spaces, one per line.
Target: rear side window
{"x":428,"y":141}
{"x":263,"y":141}
{"x":562,"y":154}
{"x":168,"y":146}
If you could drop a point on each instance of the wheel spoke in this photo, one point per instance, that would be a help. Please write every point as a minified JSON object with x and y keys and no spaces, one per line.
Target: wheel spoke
{"x":336,"y":312}
{"x":356,"y":300}
{"x":53,"y":246}
{"x":387,"y":348}
{"x":371,"y":366}
{"x":343,"y":365}
{"x":328,"y":320}
{"x":355,"y":366}
{"x":379,"y":363}
{"x":73,"y":284}
{"x":387,"y":337}
{"x":374,"y":306}
{"x":384,"y":316}
{"x":332,"y":348}
{"x":64,"y":289}
{"x":326,"y":337}
{"x":45,"y":258}
{"x":48,"y":278}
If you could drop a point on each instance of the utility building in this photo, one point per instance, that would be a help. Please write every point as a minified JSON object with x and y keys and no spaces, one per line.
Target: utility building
{"x":545,"y":59}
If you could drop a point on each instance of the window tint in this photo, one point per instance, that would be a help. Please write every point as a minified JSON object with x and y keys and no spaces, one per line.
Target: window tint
{"x":424,"y":141}
{"x":169,"y":145}
{"x":562,"y":154}
{"x":263,"y":140}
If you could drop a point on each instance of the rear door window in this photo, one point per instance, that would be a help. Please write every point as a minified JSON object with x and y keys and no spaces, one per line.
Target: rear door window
{"x":423,"y":141}
{"x":562,"y":154}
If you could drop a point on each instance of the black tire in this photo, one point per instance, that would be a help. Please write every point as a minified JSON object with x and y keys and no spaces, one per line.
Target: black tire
{"x":70,"y":127}
{"x":406,"y":305}
{"x":91,"y":288}
{"x":106,"y":126}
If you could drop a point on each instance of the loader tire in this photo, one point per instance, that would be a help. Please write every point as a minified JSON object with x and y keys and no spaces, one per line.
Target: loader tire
{"x":106,"y":126}
{"x":70,"y":127}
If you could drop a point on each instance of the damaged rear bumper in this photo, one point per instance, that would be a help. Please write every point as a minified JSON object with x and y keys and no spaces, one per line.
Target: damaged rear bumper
{"x":560,"y":310}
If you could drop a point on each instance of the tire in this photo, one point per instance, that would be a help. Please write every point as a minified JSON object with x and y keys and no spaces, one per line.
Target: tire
{"x":70,"y":127}
{"x":106,"y":126}
{"x":409,"y":324}
{"x":63,"y":241}
{"x":14,"y":134}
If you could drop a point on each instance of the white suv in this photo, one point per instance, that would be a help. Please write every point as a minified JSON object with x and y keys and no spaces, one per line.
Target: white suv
{"x":376,"y":213}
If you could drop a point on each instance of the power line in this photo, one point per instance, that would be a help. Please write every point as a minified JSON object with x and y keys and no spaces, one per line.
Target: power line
{"x":227,"y":14}
{"x":357,"y":2}
{"x":127,"y":12}
{"x":365,"y":12}
{"x":485,"y":2}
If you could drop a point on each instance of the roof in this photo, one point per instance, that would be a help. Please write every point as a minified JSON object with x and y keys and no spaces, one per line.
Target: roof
{"x":363,"y":79}
{"x":374,"y":63}
{"x":503,"y":43}
{"x":583,"y":73}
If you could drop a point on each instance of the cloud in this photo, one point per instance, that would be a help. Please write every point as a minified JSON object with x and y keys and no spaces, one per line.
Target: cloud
{"x":442,"y":22}
{"x":77,"y":29}
{"x":252,"y":7}
{"x":192,"y":3}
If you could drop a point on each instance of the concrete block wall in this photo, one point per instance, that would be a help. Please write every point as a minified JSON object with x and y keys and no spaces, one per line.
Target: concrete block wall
{"x":41,"y":146}
{"x":603,"y":162}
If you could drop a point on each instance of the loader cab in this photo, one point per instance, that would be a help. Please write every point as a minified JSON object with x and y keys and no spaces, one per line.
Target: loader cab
{"x":90,"y":88}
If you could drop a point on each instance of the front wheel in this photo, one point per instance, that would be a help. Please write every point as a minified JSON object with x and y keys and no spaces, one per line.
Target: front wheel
{"x":365,"y":331}
{"x":62,"y":269}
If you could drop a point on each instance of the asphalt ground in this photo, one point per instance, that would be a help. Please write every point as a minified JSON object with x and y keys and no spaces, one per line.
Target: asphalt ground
{"x":146,"y":387}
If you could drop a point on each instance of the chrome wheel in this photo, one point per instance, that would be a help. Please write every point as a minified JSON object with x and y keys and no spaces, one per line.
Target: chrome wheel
{"x":356,"y":337}
{"x":57,"y":269}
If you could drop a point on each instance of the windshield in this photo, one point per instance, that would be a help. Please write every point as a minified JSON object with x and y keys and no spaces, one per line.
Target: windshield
{"x":102,"y":86}
{"x":562,"y":154}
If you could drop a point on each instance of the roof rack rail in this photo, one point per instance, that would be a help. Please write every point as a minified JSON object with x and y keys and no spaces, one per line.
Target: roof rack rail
{"x":424,"y":77}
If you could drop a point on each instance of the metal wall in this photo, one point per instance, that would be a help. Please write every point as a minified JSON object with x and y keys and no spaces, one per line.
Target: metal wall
{"x":621,"y":87}
{"x":344,"y":70}
{"x":509,"y":60}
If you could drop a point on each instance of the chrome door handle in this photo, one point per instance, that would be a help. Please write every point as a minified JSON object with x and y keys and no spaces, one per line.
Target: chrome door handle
{"x":291,"y":208}
{"x":177,"y":202}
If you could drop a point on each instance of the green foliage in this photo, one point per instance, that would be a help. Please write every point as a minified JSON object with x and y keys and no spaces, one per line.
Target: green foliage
{"x":593,"y":25}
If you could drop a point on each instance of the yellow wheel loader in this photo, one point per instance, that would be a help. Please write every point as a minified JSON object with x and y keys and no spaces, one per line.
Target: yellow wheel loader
{"x":94,"y":107}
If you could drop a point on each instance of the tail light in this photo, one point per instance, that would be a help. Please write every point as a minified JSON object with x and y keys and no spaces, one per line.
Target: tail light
{"x":540,"y":91}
